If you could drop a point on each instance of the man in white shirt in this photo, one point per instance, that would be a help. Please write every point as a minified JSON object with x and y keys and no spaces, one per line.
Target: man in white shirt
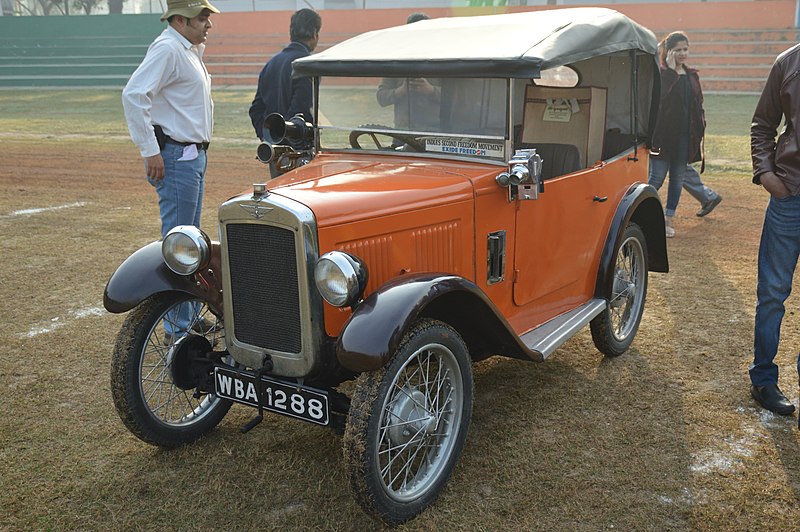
{"x":169,"y":111}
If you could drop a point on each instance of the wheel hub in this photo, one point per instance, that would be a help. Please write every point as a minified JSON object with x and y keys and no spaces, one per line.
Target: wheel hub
{"x":410,"y":417}
{"x":188,"y":364}
{"x":623,"y":288}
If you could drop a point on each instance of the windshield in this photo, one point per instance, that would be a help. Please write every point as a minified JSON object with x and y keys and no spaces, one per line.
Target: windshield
{"x":466,"y":117}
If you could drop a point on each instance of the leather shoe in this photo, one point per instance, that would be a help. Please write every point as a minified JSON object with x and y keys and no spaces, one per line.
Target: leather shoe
{"x":709,"y":206}
{"x":771,"y":397}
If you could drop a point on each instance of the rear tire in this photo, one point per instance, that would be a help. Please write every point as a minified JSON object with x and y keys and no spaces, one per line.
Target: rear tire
{"x":147,"y":399}
{"x":408,"y":422}
{"x":613,"y":329}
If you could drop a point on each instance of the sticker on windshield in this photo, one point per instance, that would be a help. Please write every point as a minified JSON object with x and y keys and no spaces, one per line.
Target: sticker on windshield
{"x":465,"y":147}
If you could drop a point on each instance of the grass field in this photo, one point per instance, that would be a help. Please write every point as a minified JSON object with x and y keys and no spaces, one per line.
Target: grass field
{"x":664,"y":437}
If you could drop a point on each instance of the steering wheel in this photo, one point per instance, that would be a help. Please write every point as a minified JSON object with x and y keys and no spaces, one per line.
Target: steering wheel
{"x":382,"y":131}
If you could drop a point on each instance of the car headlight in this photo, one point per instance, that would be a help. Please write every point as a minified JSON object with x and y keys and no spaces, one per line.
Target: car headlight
{"x":186,"y":249}
{"x":341,"y":278}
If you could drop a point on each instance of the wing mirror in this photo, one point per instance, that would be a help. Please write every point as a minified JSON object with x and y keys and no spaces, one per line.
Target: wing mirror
{"x":524,"y":176}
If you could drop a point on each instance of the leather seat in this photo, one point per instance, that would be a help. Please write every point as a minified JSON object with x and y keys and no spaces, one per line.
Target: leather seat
{"x":557,"y":159}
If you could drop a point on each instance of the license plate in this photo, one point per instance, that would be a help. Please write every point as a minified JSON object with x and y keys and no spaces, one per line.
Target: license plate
{"x":291,"y":400}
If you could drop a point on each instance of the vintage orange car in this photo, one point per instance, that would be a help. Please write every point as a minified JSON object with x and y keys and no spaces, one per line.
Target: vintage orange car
{"x":471,"y":187}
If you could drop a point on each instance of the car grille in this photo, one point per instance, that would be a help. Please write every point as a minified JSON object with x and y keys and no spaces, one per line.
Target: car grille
{"x":263,"y":273}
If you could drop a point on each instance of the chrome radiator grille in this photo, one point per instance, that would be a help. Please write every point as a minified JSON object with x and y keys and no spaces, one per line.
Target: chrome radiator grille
{"x":264,"y":286}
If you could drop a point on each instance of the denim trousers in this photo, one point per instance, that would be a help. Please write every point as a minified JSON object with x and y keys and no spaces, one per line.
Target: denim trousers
{"x":777,"y":258}
{"x":694,"y":186}
{"x":180,"y":201}
{"x":676,"y":166}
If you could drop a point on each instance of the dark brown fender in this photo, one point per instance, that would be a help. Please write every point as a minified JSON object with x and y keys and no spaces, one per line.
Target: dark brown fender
{"x":372,"y":334}
{"x":144,"y":274}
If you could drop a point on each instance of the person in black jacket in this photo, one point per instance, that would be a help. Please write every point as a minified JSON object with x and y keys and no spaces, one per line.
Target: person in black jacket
{"x":277,"y":91}
{"x":681,"y":122}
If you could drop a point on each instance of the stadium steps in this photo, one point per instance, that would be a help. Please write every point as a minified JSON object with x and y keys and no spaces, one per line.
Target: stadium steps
{"x":234,"y":61}
{"x":69,"y":61}
{"x":735,"y":60}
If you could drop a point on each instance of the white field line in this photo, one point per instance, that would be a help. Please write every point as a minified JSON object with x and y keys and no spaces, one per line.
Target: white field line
{"x":58,"y":321}
{"x":248,"y":141}
{"x":28,"y":212}
{"x":728,"y":454}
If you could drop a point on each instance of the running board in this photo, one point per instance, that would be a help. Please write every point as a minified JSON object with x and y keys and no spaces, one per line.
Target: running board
{"x":546,"y":338}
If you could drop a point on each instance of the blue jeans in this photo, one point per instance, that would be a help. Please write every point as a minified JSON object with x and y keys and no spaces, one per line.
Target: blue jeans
{"x":180,"y":192}
{"x":180,"y":200}
{"x":777,"y":258}
{"x":694,"y":186}
{"x":676,"y":166}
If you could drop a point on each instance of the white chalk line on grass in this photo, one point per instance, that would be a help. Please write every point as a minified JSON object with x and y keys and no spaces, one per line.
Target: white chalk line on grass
{"x":729,"y":453}
{"x":58,"y":322}
{"x":39,"y":210}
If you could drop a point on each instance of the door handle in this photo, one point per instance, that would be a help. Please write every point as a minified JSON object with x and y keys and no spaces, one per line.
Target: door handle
{"x":598,"y":199}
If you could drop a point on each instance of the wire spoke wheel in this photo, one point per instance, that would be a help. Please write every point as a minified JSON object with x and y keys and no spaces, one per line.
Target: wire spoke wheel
{"x":419,"y":421}
{"x":408,"y":423}
{"x":627,"y":295}
{"x":613,"y":330}
{"x":152,"y":377}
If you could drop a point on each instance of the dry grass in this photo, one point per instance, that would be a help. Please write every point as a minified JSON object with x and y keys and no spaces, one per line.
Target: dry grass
{"x":663,"y":437}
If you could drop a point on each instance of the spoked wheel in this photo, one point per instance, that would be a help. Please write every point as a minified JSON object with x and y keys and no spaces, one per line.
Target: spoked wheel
{"x":383,"y":131}
{"x":613,"y":330}
{"x":155,"y":370}
{"x":408,"y":422}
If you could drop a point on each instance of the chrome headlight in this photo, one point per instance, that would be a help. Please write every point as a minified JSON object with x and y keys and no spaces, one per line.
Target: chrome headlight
{"x":341,"y":278}
{"x":186,"y":249}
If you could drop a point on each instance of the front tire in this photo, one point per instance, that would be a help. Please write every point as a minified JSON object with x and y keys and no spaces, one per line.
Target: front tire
{"x":408,"y":422}
{"x":613,"y":329}
{"x":148,"y":401}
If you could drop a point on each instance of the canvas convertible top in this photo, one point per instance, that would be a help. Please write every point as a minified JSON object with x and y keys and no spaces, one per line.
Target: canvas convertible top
{"x":517,"y":45}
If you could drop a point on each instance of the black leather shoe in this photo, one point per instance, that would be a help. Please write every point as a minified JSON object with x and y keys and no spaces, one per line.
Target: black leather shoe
{"x":771,"y":397}
{"x":709,"y":206}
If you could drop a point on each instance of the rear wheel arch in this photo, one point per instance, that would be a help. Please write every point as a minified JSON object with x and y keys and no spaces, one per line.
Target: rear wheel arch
{"x":649,"y":216}
{"x":642,"y":206}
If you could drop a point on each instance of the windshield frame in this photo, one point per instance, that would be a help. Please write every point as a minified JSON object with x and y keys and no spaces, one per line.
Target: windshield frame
{"x":506,"y":139}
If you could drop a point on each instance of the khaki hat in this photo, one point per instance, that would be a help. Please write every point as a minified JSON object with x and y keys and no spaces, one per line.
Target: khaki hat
{"x":187,"y":8}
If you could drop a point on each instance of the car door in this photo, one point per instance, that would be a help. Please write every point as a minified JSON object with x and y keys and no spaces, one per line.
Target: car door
{"x":558,"y":241}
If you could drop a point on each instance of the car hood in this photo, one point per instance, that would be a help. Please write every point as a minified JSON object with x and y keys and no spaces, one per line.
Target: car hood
{"x":343,"y":189}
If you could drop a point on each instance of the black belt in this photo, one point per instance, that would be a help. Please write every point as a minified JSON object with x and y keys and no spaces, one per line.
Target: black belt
{"x":200,"y":145}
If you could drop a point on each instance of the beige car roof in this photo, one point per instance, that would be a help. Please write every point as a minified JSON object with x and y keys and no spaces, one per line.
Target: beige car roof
{"x":517,"y":45}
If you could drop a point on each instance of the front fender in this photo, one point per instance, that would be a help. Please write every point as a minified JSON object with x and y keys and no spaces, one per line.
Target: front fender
{"x":641,"y":205}
{"x":144,"y":274}
{"x":373,"y":332}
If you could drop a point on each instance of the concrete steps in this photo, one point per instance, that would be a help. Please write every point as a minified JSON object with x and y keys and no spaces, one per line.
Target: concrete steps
{"x":736,"y":60}
{"x":732,"y":60}
{"x":234,"y":61}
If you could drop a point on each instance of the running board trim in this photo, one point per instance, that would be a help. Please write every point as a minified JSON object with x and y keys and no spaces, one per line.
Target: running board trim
{"x":548,"y":337}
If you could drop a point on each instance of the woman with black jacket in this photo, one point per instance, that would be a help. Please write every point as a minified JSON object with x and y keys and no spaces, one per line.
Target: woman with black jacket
{"x":681,"y":122}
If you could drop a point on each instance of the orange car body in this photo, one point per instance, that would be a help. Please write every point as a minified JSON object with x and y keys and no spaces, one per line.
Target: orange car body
{"x":402,"y":216}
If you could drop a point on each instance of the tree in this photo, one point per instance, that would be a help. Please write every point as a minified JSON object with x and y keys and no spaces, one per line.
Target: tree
{"x":48,"y":6}
{"x":86,"y":5}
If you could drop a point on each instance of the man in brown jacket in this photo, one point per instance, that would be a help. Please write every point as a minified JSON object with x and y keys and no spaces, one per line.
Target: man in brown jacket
{"x":776,"y":166}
